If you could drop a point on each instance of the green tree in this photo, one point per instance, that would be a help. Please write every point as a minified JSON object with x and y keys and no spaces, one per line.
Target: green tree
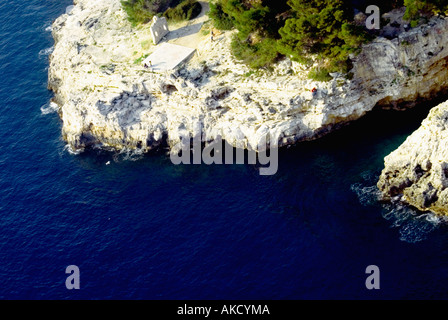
{"x":256,"y":16}
{"x":142,"y":11}
{"x":257,"y":55}
{"x":322,"y":28}
{"x":416,"y":8}
{"x":246,"y":18}
{"x":221,"y":20}
{"x":299,"y":29}
{"x":257,"y":22}
{"x":186,"y":10}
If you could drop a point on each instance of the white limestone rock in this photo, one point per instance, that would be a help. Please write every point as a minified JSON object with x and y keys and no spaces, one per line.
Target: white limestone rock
{"x":97,"y":85}
{"x":417,"y":172}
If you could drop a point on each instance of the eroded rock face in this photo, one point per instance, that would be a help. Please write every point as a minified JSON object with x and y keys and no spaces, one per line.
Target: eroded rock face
{"x":107,"y":98}
{"x":417,"y":172}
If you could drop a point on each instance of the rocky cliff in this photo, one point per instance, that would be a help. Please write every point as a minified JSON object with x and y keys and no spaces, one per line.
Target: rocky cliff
{"x":417,"y":172}
{"x":107,"y":98}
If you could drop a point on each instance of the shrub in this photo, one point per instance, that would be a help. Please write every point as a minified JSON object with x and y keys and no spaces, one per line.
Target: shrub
{"x":186,"y":10}
{"x":142,"y":11}
{"x":319,"y":74}
{"x":261,"y":16}
{"x":322,"y":28}
{"x":139,"y":60}
{"x":416,"y":8}
{"x":299,"y":29}
{"x":221,"y":20}
{"x":258,"y":55}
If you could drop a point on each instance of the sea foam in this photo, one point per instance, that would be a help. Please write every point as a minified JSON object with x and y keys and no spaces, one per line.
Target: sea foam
{"x":70,"y":150}
{"x":413,"y":226}
{"x":46,"y":52}
{"x":128,"y":155}
{"x":49,"y":108}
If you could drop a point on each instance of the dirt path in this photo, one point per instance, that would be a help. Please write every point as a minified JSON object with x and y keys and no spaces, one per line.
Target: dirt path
{"x":188,"y":33}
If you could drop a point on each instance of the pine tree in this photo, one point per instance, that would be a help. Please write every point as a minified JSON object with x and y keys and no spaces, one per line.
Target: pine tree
{"x":416,"y":8}
{"x":142,"y":11}
{"x":322,"y":28}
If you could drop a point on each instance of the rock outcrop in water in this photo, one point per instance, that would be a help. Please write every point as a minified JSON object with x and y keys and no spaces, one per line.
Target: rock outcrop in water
{"x":417,"y":172}
{"x":107,"y":99}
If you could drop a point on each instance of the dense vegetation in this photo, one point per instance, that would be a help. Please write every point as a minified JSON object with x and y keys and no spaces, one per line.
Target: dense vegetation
{"x":186,"y":10}
{"x":142,"y":11}
{"x":416,"y":9}
{"x":308,"y":31}
{"x":300,"y":29}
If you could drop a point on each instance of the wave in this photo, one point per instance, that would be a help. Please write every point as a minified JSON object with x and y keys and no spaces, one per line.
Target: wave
{"x":70,"y":150}
{"x":413,"y":226}
{"x":49,"y":108}
{"x":128,"y":155}
{"x":46,"y":52}
{"x":367,"y":195}
{"x":100,"y":151}
{"x":48,"y":27}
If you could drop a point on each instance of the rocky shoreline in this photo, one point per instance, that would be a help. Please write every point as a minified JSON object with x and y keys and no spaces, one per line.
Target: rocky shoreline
{"x":106,"y":98}
{"x":417,"y":172}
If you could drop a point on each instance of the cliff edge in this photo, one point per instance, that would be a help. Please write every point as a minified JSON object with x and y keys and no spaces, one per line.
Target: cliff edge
{"x":108,"y":99}
{"x":417,"y":172}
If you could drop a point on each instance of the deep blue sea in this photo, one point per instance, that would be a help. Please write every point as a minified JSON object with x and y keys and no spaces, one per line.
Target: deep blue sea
{"x":141,"y":228}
